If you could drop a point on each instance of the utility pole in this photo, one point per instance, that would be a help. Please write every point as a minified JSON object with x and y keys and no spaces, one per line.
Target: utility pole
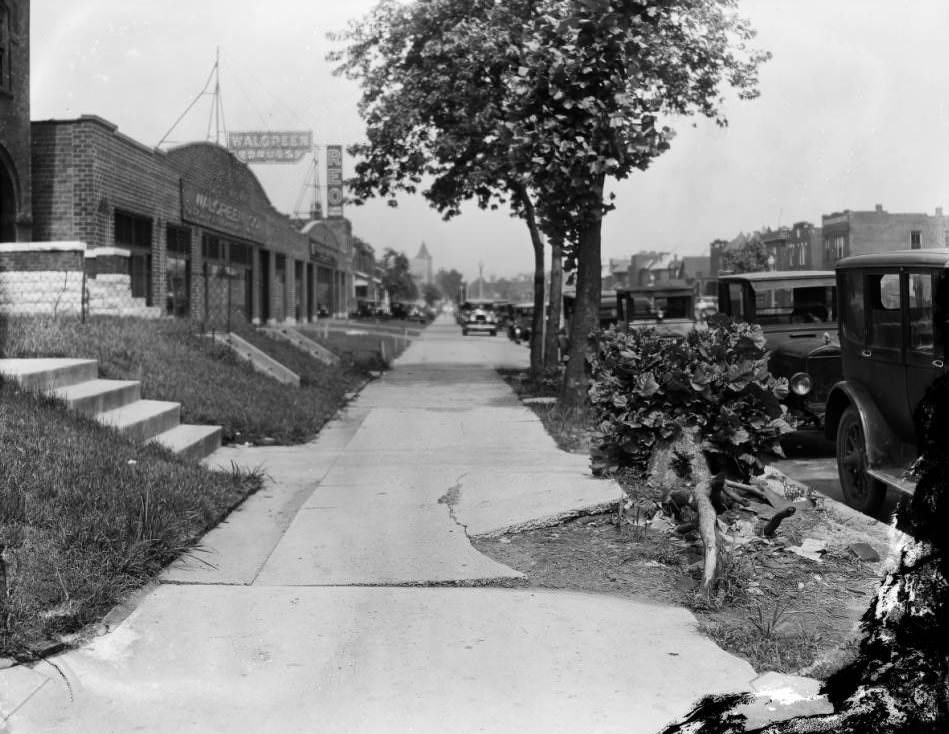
{"x":480,"y":279}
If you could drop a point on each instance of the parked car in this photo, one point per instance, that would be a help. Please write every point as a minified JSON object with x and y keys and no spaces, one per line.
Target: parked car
{"x":521,"y":321}
{"x":609,"y":312}
{"x":367,"y":310}
{"x":797,"y":311}
{"x":668,"y":307}
{"x":479,"y":317}
{"x":893,"y":333}
{"x":399,"y":310}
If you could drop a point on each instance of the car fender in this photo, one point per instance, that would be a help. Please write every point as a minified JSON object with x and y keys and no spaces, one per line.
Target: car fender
{"x":879,"y":437}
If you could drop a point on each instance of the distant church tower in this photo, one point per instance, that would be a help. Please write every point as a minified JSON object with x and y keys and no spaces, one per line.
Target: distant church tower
{"x":421,"y":267}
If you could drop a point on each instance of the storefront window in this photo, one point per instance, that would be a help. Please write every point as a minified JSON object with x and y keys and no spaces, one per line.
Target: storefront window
{"x":134,"y":232}
{"x":178,"y":271}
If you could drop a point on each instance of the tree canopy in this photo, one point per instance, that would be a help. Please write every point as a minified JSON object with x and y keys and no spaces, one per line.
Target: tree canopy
{"x":533,"y":104}
{"x":397,"y":277}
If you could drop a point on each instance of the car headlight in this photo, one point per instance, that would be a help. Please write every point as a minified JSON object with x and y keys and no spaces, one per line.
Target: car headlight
{"x":800,"y":383}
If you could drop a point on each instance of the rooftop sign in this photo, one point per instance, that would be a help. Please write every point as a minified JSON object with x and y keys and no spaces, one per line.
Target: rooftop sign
{"x":270,"y":147}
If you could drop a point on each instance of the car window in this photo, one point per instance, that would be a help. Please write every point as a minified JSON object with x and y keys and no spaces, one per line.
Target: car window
{"x":886,"y":317}
{"x":920,"y":294}
{"x":678,"y":307}
{"x":852,"y":318}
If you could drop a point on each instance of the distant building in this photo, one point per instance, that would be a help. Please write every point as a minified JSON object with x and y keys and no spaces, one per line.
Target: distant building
{"x":697,"y":269}
{"x":798,"y":247}
{"x":420,"y":267}
{"x":857,"y":233}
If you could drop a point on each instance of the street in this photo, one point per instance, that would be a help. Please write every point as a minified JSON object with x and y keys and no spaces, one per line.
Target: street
{"x":346,"y":597}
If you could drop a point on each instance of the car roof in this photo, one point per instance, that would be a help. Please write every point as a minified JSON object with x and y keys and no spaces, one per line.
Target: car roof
{"x":779,"y":275}
{"x":934,"y":257}
{"x":660,"y":289}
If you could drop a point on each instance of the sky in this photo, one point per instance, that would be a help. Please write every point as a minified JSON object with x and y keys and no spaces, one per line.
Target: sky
{"x":852,"y":114}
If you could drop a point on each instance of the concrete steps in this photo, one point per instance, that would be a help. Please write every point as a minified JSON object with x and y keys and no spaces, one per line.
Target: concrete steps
{"x":115,"y":403}
{"x":303,"y":343}
{"x":260,"y":361}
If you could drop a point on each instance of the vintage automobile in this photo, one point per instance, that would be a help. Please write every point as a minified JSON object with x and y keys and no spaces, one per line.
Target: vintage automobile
{"x":894,"y":315}
{"x":608,"y":308}
{"x":797,"y":311}
{"x":668,"y":307}
{"x":478,"y":316}
{"x":520,"y":321}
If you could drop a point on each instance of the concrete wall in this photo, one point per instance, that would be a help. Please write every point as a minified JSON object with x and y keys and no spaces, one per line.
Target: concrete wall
{"x":51,"y":278}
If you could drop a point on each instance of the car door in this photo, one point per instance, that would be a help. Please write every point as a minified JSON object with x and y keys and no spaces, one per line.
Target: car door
{"x":883,"y":353}
{"x":925,"y":349}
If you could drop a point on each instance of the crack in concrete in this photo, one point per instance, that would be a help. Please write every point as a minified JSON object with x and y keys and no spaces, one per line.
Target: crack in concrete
{"x":451,"y":498}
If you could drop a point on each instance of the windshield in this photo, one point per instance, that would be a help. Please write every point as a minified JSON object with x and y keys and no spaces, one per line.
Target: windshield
{"x":803,"y":304}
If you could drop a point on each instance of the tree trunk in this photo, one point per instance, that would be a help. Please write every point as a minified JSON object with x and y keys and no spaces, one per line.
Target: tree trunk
{"x":586,"y":315}
{"x":537,"y":322}
{"x":555,"y":303}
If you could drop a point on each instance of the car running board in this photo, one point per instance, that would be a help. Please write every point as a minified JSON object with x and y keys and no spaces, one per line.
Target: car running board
{"x":894,"y":477}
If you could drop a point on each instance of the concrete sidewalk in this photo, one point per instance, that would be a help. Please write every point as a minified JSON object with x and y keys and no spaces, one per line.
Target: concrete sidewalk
{"x":318,"y":605}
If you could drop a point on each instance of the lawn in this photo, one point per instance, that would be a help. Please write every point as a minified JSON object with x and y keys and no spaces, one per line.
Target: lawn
{"x":87,"y":516}
{"x":174,"y":363}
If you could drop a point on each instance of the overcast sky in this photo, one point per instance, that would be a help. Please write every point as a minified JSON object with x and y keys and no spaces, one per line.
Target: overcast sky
{"x":852,"y":113}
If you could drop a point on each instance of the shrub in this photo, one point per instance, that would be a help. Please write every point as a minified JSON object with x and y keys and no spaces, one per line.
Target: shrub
{"x":647,"y":387}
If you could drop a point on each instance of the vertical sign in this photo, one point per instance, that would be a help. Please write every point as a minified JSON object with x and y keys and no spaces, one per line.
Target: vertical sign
{"x":334,"y":180}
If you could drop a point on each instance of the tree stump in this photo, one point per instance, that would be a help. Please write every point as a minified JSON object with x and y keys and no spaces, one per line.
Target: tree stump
{"x":680,"y":462}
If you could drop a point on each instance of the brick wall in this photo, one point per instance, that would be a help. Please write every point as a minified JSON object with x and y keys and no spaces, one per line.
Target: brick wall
{"x":15,"y":123}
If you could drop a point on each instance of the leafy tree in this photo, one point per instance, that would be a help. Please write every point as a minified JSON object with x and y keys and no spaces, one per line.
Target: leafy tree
{"x":449,"y":282}
{"x":591,"y":82}
{"x":435,"y":81}
{"x":532,"y":104}
{"x":431,"y":293}
{"x":751,"y":257}
{"x":397,"y":277}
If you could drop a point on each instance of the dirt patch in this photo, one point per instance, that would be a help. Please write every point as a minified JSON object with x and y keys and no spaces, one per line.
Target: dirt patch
{"x":776,"y":609}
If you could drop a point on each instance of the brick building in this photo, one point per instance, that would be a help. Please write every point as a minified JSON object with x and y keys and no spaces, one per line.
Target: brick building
{"x":188,"y":232}
{"x":798,"y":247}
{"x":15,"y":207}
{"x":861,"y":232}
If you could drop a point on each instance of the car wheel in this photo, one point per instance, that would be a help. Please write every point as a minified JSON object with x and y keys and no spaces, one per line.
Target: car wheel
{"x":494,"y":332}
{"x":464,"y":332}
{"x":861,"y":491}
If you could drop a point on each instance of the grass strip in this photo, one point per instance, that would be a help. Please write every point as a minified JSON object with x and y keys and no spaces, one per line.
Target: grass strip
{"x":87,"y":516}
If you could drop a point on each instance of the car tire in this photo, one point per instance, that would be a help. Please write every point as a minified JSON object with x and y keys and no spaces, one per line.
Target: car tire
{"x":464,"y":332}
{"x":494,"y":332}
{"x":861,"y":491}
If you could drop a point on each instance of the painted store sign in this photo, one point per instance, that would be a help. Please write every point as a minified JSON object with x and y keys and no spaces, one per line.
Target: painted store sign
{"x":334,"y":180}
{"x":215,"y":212}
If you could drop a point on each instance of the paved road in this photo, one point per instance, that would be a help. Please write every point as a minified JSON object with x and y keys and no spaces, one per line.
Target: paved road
{"x":345,"y":596}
